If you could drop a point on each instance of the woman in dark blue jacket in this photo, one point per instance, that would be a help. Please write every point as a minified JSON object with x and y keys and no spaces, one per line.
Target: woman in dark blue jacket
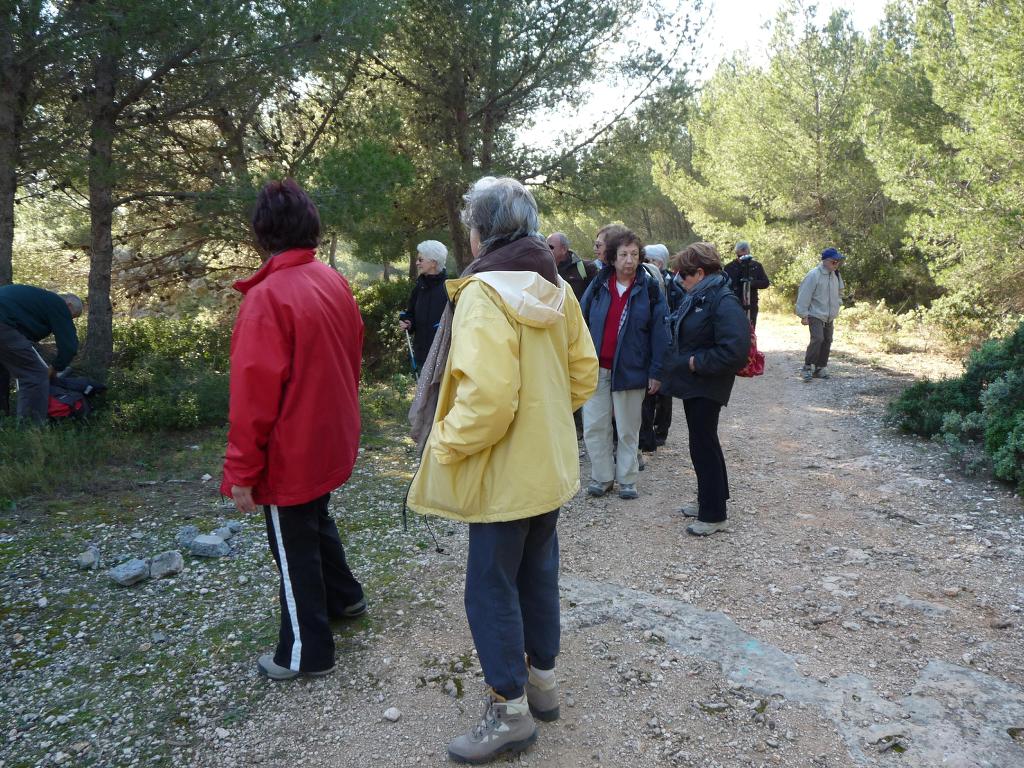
{"x":709,"y":342}
{"x":625,"y":310}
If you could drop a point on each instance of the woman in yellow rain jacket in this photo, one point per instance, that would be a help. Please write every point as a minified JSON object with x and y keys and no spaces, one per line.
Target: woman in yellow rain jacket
{"x":502,"y":455}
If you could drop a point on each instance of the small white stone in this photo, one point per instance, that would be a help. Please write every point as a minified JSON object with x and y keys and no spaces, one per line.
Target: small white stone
{"x":221,"y":733}
{"x":206,"y":478}
{"x":393,"y":714}
{"x":42,"y":602}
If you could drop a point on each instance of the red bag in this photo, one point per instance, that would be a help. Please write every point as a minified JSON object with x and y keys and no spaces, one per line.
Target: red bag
{"x":755,"y":359}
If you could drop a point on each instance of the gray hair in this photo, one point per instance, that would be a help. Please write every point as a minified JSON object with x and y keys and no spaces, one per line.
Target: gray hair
{"x":433,"y":250}
{"x":74,"y":304}
{"x":741,"y":245}
{"x":561,"y":239}
{"x":657,"y":252}
{"x":500,"y":209}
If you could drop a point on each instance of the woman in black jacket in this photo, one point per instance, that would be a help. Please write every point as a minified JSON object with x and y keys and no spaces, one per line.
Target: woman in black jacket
{"x":427,"y":300}
{"x":709,"y":341}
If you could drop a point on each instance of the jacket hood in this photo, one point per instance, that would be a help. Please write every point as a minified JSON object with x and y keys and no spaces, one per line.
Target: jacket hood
{"x":529,"y":298}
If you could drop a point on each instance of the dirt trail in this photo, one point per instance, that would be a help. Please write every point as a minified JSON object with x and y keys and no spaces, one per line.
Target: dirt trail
{"x":866,"y":609}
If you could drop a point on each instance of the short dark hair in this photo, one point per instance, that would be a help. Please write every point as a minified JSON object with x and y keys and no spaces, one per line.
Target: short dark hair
{"x":698,"y":256}
{"x":623,"y":237}
{"x":285,"y":217}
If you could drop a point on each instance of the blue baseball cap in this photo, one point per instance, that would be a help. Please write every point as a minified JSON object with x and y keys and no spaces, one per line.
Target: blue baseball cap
{"x":832,"y":253}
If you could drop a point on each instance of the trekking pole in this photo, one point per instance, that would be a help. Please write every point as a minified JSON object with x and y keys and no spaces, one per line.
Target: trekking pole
{"x":408,"y":341}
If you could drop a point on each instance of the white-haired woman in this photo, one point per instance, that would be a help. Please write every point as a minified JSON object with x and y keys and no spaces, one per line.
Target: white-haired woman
{"x":428,"y":298}
{"x":502,"y":455}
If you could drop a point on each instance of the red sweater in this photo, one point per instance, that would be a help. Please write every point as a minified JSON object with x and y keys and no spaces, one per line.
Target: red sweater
{"x":295,"y":357}
{"x":611,"y":323}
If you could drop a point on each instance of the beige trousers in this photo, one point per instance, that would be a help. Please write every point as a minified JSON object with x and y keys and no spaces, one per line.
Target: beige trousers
{"x":626,"y":408}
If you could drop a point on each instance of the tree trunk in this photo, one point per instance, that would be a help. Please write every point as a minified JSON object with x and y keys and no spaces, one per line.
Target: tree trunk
{"x":8,"y":185}
{"x":333,"y":253}
{"x":460,"y":240}
{"x":12,"y":101}
{"x":99,"y":340}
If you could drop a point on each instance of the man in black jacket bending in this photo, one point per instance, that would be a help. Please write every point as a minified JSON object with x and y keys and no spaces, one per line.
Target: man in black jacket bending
{"x":27,"y":315}
{"x":747,"y":276}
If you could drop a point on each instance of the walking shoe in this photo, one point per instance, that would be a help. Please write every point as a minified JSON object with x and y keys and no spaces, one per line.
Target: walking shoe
{"x":355,"y":610}
{"x":690,"y":510}
{"x":506,"y":726}
{"x":821,"y":373}
{"x":599,"y":489}
{"x":705,"y":529}
{"x":542,"y":696}
{"x":807,"y":373}
{"x":640,"y":461}
{"x":627,"y":491}
{"x":266,"y":666}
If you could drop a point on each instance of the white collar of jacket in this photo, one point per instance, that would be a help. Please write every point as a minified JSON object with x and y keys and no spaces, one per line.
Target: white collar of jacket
{"x":527,"y":296}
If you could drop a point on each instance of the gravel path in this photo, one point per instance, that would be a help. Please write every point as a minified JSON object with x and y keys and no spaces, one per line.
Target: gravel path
{"x":865,"y":609}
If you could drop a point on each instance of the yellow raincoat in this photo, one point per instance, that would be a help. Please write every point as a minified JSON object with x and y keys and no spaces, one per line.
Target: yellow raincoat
{"x":503,"y":442}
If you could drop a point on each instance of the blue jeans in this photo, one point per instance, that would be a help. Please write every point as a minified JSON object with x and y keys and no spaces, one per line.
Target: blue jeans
{"x":512,"y":598}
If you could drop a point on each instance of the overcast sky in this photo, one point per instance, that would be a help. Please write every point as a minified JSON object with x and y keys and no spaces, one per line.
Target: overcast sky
{"x":734,"y":25}
{"x":739,"y":24}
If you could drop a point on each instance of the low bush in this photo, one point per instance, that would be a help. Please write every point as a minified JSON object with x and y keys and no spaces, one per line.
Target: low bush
{"x":984,"y":407}
{"x":170,"y":373}
{"x":877,"y":320}
{"x":385,"y":349}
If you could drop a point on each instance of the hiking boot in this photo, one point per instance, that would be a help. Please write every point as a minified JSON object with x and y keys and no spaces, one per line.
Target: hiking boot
{"x":266,"y":667}
{"x":807,"y":373}
{"x":690,"y":510}
{"x":821,"y":373}
{"x":640,"y":461}
{"x":597,"y":489}
{"x":628,"y":491}
{"x":542,"y":696}
{"x":705,"y":529}
{"x":506,"y":726}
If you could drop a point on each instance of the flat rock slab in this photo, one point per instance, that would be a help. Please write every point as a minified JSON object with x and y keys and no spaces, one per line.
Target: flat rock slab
{"x":208,"y":545}
{"x":130,"y":572}
{"x":953,"y":716}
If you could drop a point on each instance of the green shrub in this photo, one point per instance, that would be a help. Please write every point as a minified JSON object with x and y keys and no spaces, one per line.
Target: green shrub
{"x":170,"y":373}
{"x":967,"y":317}
{"x":385,"y":349}
{"x":1008,"y":460}
{"x":877,"y":320}
{"x":983,"y":408}
{"x":923,"y":406}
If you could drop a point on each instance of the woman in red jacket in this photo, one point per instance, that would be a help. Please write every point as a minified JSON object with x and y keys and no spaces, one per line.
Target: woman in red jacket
{"x":294,"y":423}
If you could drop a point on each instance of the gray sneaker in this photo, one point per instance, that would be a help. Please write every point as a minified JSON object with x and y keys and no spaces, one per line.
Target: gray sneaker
{"x":597,"y":489}
{"x":705,"y":529}
{"x":690,"y":510}
{"x":266,"y":667}
{"x":820,"y":373}
{"x":807,"y":373}
{"x":628,"y":491}
{"x":355,"y":610}
{"x":543,"y":698}
{"x":504,"y":727}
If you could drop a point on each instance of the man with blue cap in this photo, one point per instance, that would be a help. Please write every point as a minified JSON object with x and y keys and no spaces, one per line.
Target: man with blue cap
{"x":818,"y":303}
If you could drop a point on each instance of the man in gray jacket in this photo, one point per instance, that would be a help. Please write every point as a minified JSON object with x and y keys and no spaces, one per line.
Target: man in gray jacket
{"x":817,"y":303}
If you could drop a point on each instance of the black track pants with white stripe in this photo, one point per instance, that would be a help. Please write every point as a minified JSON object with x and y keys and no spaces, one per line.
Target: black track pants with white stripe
{"x":316,"y":583}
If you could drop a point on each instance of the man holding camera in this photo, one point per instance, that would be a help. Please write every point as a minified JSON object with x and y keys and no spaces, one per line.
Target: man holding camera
{"x":748,"y":277}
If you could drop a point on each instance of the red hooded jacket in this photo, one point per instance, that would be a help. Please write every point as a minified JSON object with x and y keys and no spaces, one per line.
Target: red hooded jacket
{"x":295,"y":357}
